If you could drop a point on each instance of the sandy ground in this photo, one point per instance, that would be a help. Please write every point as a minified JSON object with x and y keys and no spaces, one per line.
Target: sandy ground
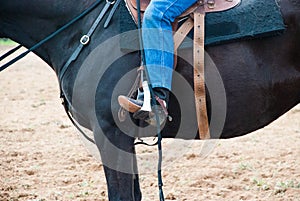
{"x":42,"y":157}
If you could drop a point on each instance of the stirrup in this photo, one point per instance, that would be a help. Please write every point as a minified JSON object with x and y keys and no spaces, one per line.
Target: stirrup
{"x":135,"y":106}
{"x":150,"y":116}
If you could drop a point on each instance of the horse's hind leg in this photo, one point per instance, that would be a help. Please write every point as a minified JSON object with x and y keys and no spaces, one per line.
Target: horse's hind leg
{"x":120,"y":167}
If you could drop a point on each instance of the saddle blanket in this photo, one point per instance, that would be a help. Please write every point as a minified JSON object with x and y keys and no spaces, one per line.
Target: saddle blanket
{"x":250,"y":19}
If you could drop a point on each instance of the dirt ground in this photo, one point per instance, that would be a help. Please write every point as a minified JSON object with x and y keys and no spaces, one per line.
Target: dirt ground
{"x":42,"y":157}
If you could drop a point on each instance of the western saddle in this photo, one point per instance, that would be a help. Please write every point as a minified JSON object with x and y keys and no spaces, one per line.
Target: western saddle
{"x":195,"y":18}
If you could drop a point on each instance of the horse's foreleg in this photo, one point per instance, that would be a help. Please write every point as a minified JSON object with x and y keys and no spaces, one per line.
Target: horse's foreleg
{"x":120,"y":167}
{"x":122,"y":186}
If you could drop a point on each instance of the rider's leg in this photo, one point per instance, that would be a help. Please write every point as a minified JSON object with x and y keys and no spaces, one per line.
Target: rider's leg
{"x":158,"y":39}
{"x":159,"y":47}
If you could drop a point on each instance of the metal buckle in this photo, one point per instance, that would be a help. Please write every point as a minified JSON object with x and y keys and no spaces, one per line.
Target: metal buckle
{"x":211,"y":4}
{"x":111,"y":2}
{"x":85,"y":39}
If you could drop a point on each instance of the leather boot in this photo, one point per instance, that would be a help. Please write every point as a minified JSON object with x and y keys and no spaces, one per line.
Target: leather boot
{"x":134,"y":106}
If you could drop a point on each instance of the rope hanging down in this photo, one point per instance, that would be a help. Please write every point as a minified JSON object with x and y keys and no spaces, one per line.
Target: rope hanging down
{"x":158,"y":131}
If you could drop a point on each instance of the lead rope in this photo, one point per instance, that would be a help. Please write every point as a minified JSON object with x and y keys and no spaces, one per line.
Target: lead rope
{"x":159,"y":136}
{"x":10,"y":52}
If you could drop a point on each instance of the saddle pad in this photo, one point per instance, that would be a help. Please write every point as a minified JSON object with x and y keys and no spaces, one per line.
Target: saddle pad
{"x":250,"y":19}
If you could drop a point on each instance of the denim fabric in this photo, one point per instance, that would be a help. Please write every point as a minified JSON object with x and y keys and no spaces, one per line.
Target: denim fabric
{"x":158,"y":39}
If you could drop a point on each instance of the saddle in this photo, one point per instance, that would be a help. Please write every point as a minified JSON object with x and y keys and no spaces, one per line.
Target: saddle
{"x":195,"y":17}
{"x":208,"y":5}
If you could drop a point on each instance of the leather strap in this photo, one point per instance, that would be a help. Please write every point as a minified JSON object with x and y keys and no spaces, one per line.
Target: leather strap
{"x":182,"y":32}
{"x":111,"y":14}
{"x":84,"y":40}
{"x":199,"y":81}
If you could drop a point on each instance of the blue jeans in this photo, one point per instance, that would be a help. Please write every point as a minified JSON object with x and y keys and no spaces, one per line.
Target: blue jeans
{"x":158,"y":39}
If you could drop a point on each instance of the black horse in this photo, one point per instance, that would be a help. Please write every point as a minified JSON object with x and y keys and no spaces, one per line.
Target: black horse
{"x":255,"y":81}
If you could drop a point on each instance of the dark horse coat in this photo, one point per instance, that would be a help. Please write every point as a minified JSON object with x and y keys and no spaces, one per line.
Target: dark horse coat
{"x":250,"y":83}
